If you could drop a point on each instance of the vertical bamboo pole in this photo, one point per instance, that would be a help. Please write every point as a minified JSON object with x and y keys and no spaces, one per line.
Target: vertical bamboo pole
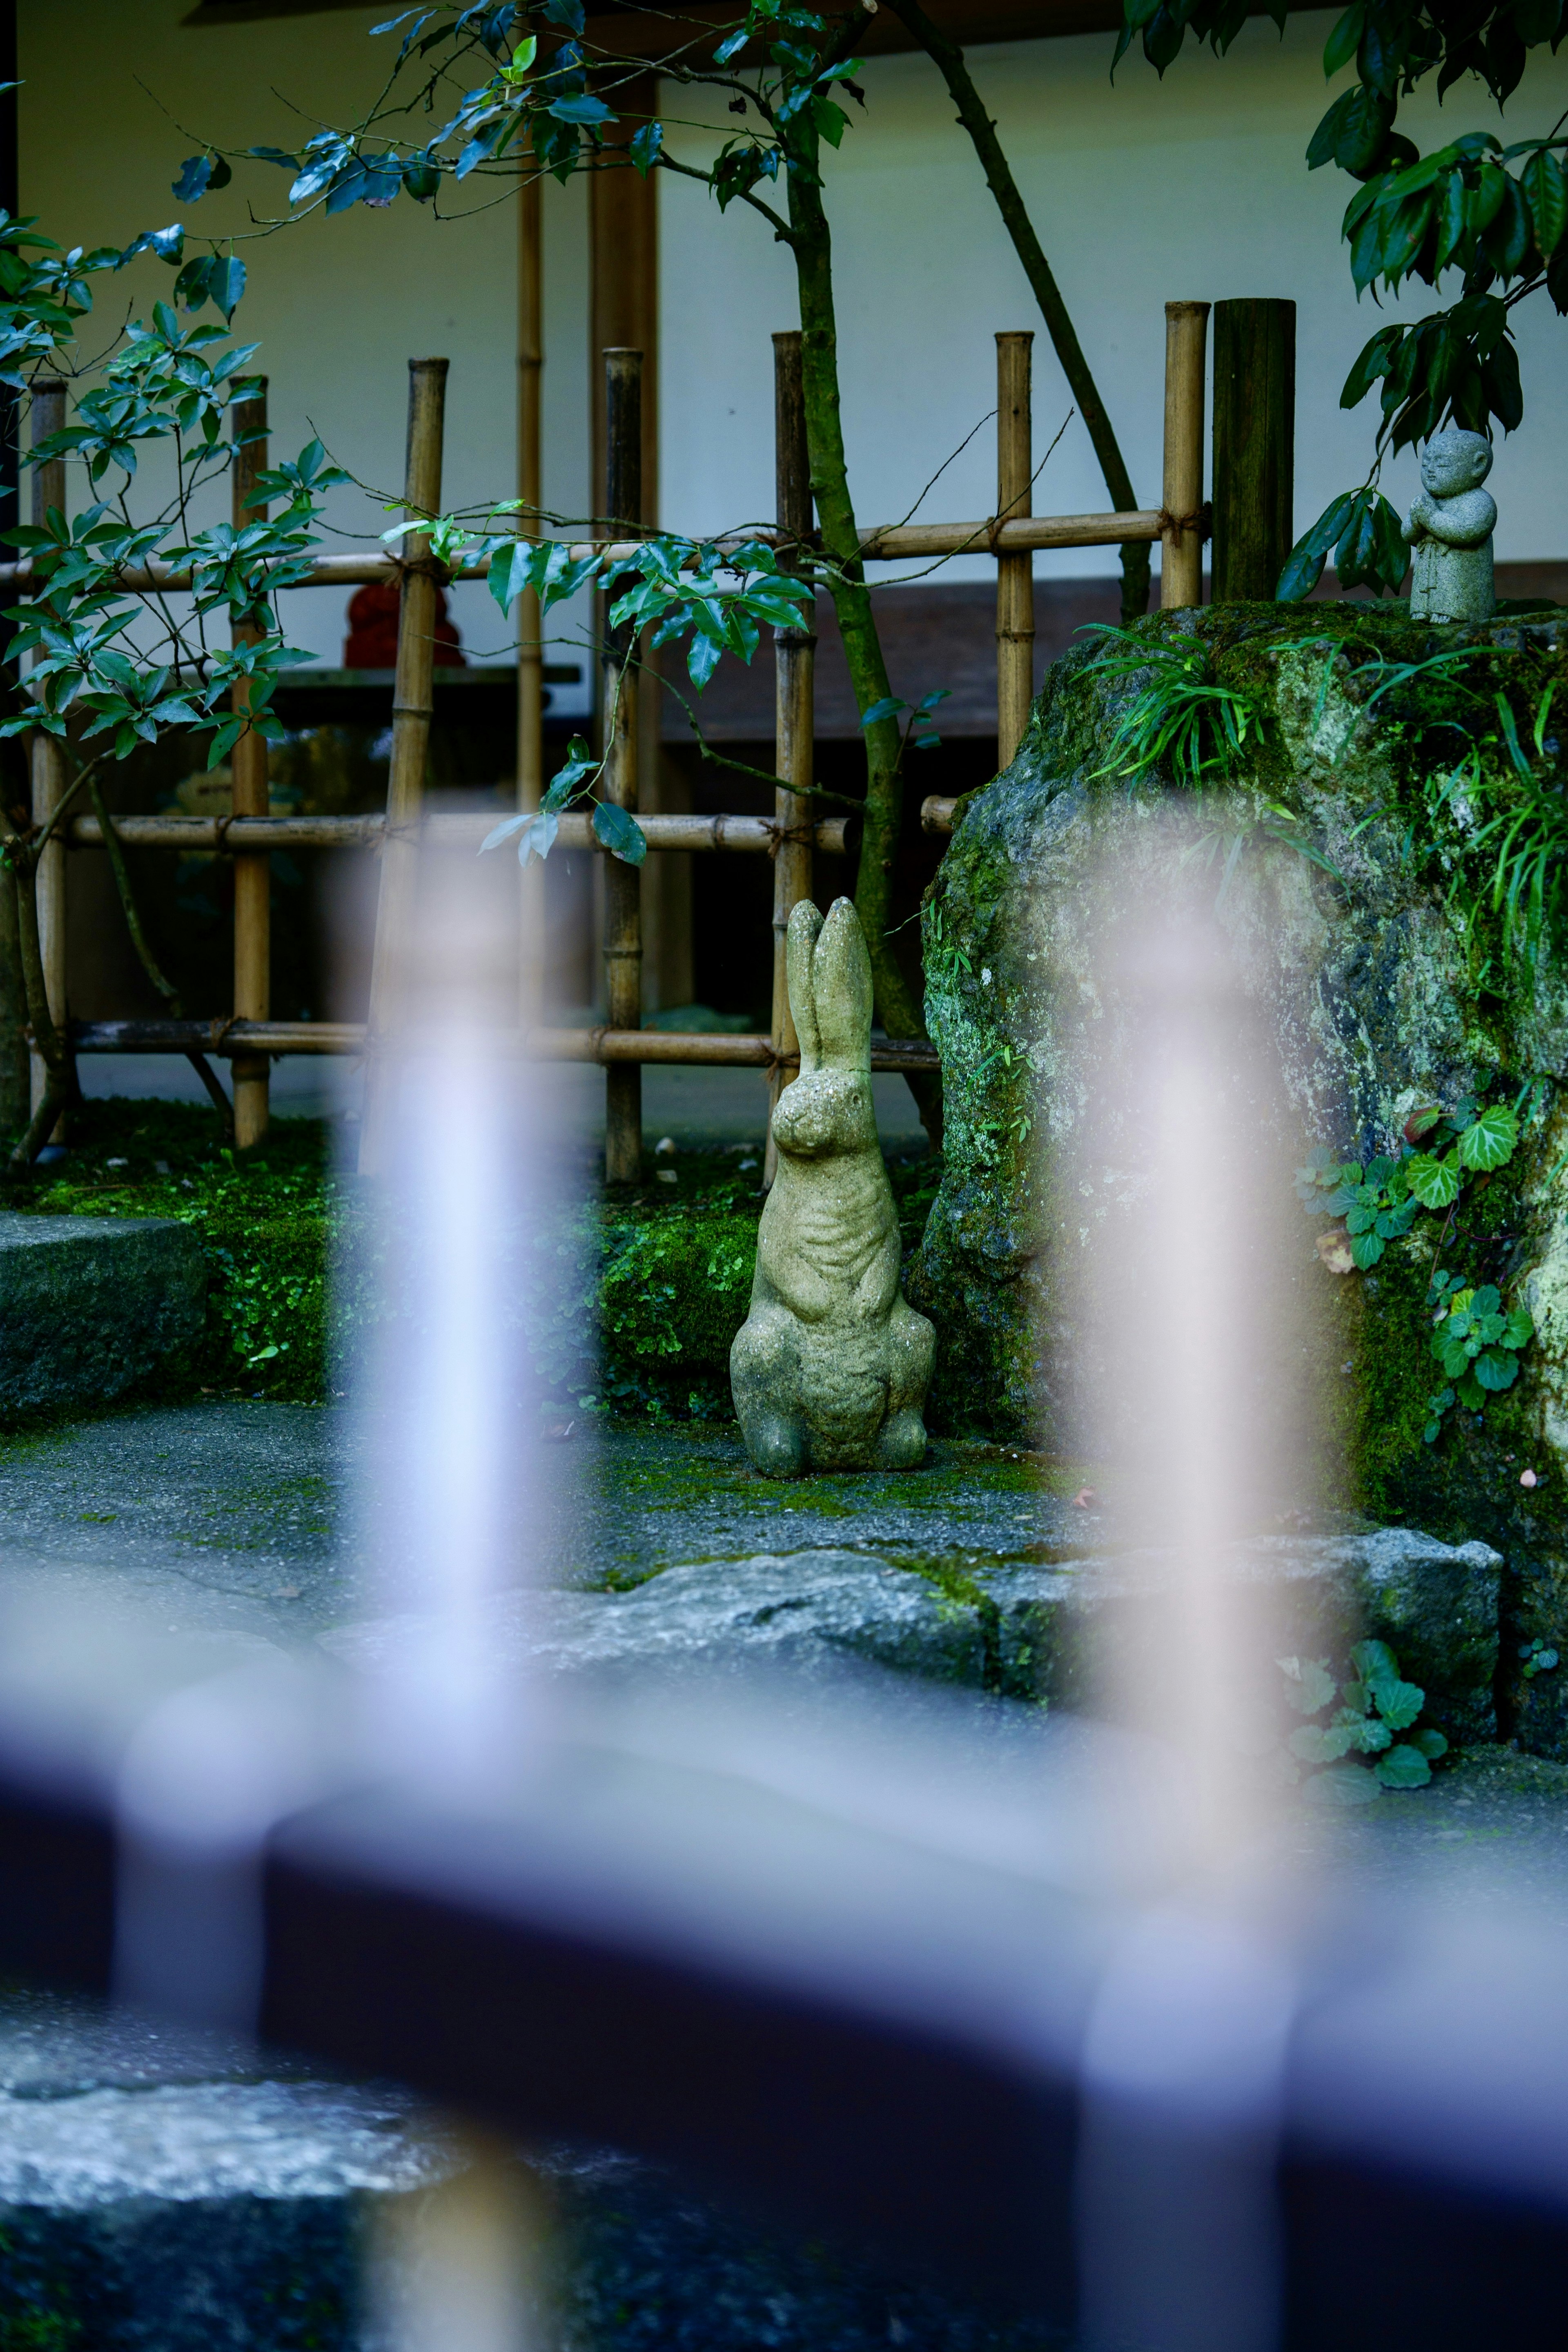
{"x":1015,"y":573}
{"x":1182,"y":565}
{"x":48,"y":763}
{"x":1254,"y":448}
{"x":529,"y":654}
{"x":623,"y":883}
{"x":410,"y":711}
{"x":795,"y":654}
{"x":252,"y":872}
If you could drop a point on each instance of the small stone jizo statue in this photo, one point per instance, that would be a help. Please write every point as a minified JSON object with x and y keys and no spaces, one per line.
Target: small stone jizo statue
{"x":830,"y":1369}
{"x":1450,"y":530}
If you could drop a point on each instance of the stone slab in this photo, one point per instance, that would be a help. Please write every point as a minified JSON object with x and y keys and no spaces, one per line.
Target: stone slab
{"x":1435,"y":1605}
{"x":90,"y":1305}
{"x":168,"y":2191}
{"x":1020,"y":1632}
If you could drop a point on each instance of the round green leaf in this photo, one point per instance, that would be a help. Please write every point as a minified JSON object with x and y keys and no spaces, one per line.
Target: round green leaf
{"x":1435,"y":1182}
{"x":1430,"y":1744}
{"x":1344,"y":1784}
{"x":1404,"y":1766}
{"x":1495,"y":1369}
{"x":1490,"y":1140}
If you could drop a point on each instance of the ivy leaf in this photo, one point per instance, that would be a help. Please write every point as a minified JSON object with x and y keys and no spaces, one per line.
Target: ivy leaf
{"x":621,"y":835}
{"x":200,"y":172}
{"x":1404,"y":1766}
{"x":1490,"y":1141}
{"x":1435,"y":1182}
{"x":538,"y":838}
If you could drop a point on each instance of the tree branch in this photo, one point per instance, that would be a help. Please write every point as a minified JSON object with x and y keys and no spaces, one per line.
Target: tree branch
{"x":949,"y":61}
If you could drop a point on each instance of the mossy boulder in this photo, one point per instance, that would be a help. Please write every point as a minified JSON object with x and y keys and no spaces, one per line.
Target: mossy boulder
{"x":1354,"y":843}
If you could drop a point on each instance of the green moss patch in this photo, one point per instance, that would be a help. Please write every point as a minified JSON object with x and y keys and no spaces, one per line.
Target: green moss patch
{"x":630,"y":1301}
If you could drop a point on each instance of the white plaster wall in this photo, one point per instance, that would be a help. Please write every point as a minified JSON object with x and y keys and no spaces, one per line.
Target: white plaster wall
{"x":1142,"y":191}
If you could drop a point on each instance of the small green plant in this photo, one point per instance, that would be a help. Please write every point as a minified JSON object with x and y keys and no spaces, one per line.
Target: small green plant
{"x":1476,"y":1340}
{"x":1374,"y":1704}
{"x":1183,"y":718}
{"x":1538,"y":1659}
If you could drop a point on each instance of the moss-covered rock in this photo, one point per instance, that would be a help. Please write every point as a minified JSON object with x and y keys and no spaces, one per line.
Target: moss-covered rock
{"x":1355,"y":846}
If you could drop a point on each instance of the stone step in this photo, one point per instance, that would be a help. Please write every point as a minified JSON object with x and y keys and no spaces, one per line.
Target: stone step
{"x":1020,"y":1631}
{"x":90,"y":1305}
{"x":162,"y":2191}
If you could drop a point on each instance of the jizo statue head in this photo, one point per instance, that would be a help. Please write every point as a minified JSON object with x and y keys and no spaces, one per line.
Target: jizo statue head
{"x":1455,"y":461}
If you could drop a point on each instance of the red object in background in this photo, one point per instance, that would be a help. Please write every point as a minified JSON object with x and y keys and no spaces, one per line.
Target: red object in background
{"x":373,"y":630}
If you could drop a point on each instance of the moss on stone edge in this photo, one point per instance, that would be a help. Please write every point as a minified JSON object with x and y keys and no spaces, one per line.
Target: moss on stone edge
{"x":1418,"y":997}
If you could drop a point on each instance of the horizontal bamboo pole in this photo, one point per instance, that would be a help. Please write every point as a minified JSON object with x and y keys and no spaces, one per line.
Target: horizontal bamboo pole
{"x":465,"y":831}
{"x":886,"y":544}
{"x":936,"y":813}
{"x":748,"y":1050}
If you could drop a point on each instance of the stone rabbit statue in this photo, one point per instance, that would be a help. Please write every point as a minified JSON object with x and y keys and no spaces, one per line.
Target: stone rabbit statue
{"x":830,"y":1369}
{"x":1450,"y":530}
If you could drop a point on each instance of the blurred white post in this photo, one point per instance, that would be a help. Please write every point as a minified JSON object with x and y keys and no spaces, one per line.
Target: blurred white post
{"x":1184,"y":1312}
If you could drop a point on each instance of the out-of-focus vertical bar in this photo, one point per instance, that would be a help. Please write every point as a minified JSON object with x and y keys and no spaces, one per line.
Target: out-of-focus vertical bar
{"x":411,"y":714}
{"x":1181,"y":564}
{"x":623,"y":883}
{"x":530,"y":652}
{"x":794,"y":714}
{"x":252,"y":872}
{"x":1015,"y":573}
{"x":48,"y":763}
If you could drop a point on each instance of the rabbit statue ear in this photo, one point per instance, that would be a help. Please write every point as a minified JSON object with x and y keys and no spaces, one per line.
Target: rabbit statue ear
{"x":804,"y":924}
{"x":841,"y":979}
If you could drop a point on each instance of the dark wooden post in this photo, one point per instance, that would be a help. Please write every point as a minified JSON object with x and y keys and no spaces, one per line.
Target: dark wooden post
{"x":1254,"y":448}
{"x":251,"y":797}
{"x":623,"y":883}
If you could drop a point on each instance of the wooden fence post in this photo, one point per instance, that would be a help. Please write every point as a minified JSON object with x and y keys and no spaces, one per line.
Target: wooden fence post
{"x":795,"y":654}
{"x":1015,"y":573}
{"x":48,"y":760}
{"x":623,"y":883}
{"x":1254,"y":448}
{"x":530,"y":653}
{"x":247,"y":766}
{"x":1182,"y":565}
{"x":411,"y":711}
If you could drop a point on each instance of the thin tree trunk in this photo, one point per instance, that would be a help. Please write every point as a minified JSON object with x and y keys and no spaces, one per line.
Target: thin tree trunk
{"x":812,"y":244}
{"x":46,"y":1036}
{"x":948,"y":58}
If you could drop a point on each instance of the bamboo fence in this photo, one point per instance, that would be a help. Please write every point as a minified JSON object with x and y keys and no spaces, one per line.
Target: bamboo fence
{"x":622,"y":1046}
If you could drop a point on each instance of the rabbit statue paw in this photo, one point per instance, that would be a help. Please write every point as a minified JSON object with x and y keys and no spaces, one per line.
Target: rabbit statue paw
{"x":830,"y":1369}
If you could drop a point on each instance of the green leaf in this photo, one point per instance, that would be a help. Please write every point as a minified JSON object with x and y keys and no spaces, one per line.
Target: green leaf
{"x":883,"y":710}
{"x":503,"y":832}
{"x":1497,"y":1369}
{"x":1489,"y":1142}
{"x":620,"y":834}
{"x":1316,"y":1743}
{"x":1346,"y":1784}
{"x":1435,"y":1182}
{"x":1366,"y":1249}
{"x":1430,"y":1744}
{"x":1342,"y":42}
{"x":1404,"y":1766}
{"x":644,"y":146}
{"x":1518,"y":1329}
{"x":1541,"y":180}
{"x":1309,"y":1684}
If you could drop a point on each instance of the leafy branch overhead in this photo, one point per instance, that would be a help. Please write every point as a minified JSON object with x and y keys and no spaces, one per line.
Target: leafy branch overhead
{"x":1490,"y":217}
